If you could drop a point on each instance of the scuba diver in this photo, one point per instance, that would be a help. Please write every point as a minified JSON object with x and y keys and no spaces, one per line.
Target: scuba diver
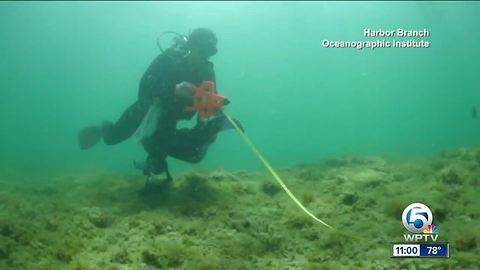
{"x":167,"y":91}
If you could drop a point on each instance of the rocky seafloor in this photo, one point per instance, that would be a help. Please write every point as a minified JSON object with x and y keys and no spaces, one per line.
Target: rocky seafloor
{"x":241,"y":219}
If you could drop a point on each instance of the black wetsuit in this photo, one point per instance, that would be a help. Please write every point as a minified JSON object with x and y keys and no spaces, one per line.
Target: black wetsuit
{"x":159,"y":81}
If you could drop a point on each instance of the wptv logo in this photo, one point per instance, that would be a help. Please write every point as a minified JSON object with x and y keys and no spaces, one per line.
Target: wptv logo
{"x":417,"y":218}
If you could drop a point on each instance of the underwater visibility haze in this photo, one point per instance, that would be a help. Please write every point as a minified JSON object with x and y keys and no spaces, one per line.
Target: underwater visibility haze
{"x":355,"y":134}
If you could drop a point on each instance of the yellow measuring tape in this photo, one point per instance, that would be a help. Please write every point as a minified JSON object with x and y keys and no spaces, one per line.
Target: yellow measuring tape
{"x":287,"y":190}
{"x":272,"y":171}
{"x":282,"y":184}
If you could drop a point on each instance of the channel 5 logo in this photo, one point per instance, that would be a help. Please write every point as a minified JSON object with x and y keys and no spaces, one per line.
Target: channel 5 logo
{"x":418,"y":218}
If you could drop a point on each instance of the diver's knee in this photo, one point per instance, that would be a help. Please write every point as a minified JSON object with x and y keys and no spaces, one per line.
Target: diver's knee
{"x":196,"y":159}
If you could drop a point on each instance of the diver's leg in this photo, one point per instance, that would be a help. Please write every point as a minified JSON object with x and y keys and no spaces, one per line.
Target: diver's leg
{"x":155,"y":146}
{"x":187,"y":146}
{"x":114,"y":133}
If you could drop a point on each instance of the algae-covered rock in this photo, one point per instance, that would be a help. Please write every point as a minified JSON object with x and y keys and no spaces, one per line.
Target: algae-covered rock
{"x":298,"y":220}
{"x":51,"y":225}
{"x":122,"y":257}
{"x":222,"y":176}
{"x":99,"y":218}
{"x":5,"y":249}
{"x":450,"y":177}
{"x":151,"y":259}
{"x":195,"y":193}
{"x":337,"y":162}
{"x":221,"y":220}
{"x":270,"y":188}
{"x":438,"y":164}
{"x":308,"y":198}
{"x":469,"y":241}
{"x":6,"y":228}
{"x":477,"y":156}
{"x":309,"y":174}
{"x":350,"y":198}
{"x":63,"y":256}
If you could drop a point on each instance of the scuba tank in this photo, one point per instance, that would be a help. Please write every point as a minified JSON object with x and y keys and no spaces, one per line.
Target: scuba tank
{"x":173,"y":45}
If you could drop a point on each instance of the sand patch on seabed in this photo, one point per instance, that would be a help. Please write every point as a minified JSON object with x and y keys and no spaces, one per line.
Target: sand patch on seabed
{"x":239,"y":220}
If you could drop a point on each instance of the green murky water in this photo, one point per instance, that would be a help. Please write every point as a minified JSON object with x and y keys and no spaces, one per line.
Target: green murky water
{"x":66,"y":65}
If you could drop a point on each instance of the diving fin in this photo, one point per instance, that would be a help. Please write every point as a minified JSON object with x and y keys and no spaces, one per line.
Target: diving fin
{"x":90,"y":136}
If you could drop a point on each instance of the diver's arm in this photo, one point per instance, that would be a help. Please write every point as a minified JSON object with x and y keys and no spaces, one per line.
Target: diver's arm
{"x":184,"y":90}
{"x":210,"y":73}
